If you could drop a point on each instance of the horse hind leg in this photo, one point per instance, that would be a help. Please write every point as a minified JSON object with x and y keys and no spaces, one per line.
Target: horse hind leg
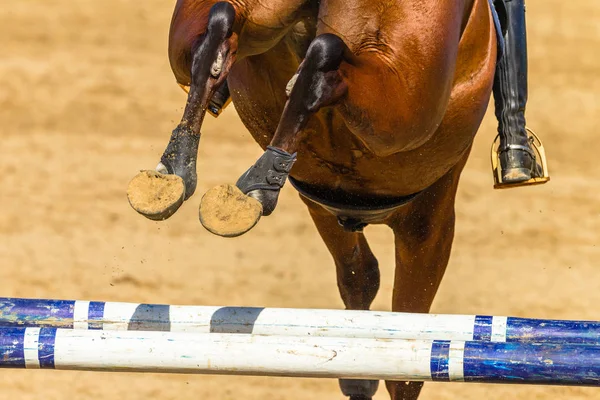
{"x":424,"y":232}
{"x":357,"y":272}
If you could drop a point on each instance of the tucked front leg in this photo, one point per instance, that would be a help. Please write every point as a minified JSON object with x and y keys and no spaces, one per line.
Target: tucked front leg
{"x":212,"y":57}
{"x":158,"y":195}
{"x":317,"y":84}
{"x":357,"y":278}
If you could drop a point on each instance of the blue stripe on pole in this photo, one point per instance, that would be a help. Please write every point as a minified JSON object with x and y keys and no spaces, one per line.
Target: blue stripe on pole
{"x":34,"y":312}
{"x":538,"y":330}
{"x":482,"y":330}
{"x":440,"y":354}
{"x":96,"y":315}
{"x":46,"y":347}
{"x":532,"y":363}
{"x":12,"y":348}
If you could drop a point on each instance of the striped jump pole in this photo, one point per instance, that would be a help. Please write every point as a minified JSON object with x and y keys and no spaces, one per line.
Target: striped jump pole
{"x":327,"y":357}
{"x":91,"y":315}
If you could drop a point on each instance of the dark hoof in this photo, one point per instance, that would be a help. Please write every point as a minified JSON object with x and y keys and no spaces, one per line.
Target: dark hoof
{"x":226,"y":211}
{"x":358,"y":389}
{"x":154,"y":195}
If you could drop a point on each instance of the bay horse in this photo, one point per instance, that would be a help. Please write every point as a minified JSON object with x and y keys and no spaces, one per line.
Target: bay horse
{"x":368,"y":107}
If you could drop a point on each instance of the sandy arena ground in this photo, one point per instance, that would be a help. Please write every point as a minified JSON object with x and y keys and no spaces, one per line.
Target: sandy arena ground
{"x":87,"y":99}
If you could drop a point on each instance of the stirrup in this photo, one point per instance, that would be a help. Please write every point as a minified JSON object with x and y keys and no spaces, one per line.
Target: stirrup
{"x":540,"y":159}
{"x":212,"y":108}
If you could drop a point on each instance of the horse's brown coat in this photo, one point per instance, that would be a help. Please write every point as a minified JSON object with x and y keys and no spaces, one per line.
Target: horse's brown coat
{"x":418,"y":77}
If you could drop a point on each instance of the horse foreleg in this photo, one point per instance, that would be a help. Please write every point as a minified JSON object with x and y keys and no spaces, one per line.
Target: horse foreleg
{"x":357,"y":278}
{"x":424,"y":232}
{"x":317,"y":83}
{"x":212,"y":58}
{"x":158,"y":195}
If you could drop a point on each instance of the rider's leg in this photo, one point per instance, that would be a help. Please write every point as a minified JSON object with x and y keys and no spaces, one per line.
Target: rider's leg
{"x":517,"y":161}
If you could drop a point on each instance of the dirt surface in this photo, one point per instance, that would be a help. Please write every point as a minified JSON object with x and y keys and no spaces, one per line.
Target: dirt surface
{"x":87,"y":99}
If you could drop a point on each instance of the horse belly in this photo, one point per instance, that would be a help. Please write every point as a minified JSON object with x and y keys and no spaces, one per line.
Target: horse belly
{"x":257,"y":86}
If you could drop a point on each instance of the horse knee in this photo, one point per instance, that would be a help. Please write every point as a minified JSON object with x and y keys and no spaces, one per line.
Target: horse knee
{"x":318,"y":82}
{"x":326,"y":52}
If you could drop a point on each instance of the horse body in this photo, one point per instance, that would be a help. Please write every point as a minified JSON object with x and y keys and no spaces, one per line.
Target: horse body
{"x":407,"y":131}
{"x":335,"y":154}
{"x":387,"y":99}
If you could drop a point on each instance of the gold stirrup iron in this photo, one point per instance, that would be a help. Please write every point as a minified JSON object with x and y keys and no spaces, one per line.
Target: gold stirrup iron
{"x":540,"y":158}
{"x":210,"y":111}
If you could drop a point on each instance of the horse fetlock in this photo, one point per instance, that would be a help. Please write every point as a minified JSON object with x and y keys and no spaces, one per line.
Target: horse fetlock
{"x":179,"y":158}
{"x":268,"y":199}
{"x":266,"y":177}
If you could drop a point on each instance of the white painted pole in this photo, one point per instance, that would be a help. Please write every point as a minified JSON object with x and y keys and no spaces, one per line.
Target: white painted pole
{"x":212,"y":353}
{"x":329,"y":357}
{"x":80,"y":314}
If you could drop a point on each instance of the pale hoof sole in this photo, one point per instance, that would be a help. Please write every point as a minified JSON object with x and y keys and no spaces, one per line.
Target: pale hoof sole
{"x":154,"y":195}
{"x":226,"y":211}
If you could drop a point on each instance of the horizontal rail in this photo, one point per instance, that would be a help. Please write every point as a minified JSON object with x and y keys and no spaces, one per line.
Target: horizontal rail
{"x":92,"y":315}
{"x":330,"y":357}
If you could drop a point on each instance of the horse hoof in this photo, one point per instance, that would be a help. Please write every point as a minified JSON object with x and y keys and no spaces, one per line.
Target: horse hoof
{"x":154,"y":195}
{"x":226,"y":211}
{"x":360,"y":397}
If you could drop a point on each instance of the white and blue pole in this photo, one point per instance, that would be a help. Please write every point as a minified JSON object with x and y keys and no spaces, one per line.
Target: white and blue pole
{"x":93,"y":315}
{"x":327,"y":357}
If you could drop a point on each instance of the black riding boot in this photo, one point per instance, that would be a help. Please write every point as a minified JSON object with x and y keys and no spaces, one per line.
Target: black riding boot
{"x":517,"y":160}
